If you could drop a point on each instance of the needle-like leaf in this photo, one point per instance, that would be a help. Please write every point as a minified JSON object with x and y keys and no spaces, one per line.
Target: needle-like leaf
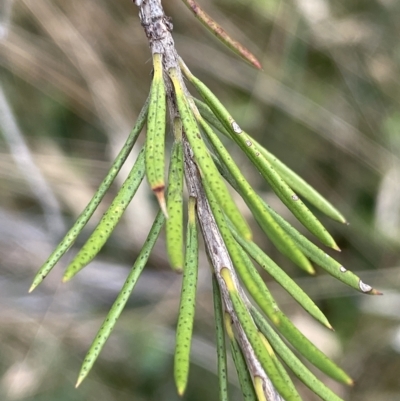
{"x":109,"y":221}
{"x":155,"y":139}
{"x":184,"y":328}
{"x":221,"y":346}
{"x":211,"y":178}
{"x":174,"y":224}
{"x":291,"y":360}
{"x":221,"y":34}
{"x":84,"y":217}
{"x":119,"y":304}
{"x":280,"y":187}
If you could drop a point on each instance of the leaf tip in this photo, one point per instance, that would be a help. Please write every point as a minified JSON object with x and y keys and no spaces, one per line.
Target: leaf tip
{"x":159,"y":192}
{"x":32,"y":287}
{"x":257,"y":64}
{"x":336,"y":248}
{"x":330,"y":327}
{"x":79,"y":381}
{"x":181,"y":389}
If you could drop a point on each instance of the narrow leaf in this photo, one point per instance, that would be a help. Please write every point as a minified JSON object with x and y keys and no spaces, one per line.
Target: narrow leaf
{"x":242,"y":370}
{"x":220,"y":33}
{"x":109,"y":220}
{"x":155,"y":139}
{"x":277,"y":235}
{"x":282,"y":278}
{"x":264,"y":355}
{"x":260,"y":293}
{"x":298,"y":184}
{"x":322,"y":259}
{"x":291,"y":360}
{"x":302,"y":187}
{"x":87,"y":213}
{"x":174,"y":224}
{"x":280,"y":187}
{"x":119,"y":304}
{"x":221,"y":346}
{"x":184,"y":327}
{"x":211,"y":178}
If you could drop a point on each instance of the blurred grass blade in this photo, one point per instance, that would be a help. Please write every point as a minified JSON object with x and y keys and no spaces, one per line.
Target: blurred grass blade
{"x":277,"y":235}
{"x":297,"y":183}
{"x":119,"y":304}
{"x":265,"y":355}
{"x":211,"y":178}
{"x":291,"y":360}
{"x":282,"y":278}
{"x":280,"y":187}
{"x":184,"y":328}
{"x":220,"y":33}
{"x":109,"y":220}
{"x":322,"y":259}
{"x":87,"y":213}
{"x":155,"y":139}
{"x":221,"y":346}
{"x":245,"y":381}
{"x":174,"y":223}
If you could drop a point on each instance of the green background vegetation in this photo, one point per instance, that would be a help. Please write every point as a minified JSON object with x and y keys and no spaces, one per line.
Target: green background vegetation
{"x":76,"y":74}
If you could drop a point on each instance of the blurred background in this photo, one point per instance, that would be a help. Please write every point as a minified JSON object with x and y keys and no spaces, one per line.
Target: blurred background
{"x":74,"y":76}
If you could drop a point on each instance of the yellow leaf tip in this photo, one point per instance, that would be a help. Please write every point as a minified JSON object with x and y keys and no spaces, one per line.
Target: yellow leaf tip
{"x":181,"y":390}
{"x":336,"y":248}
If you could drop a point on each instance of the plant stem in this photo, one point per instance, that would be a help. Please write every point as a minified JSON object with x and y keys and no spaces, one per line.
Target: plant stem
{"x":158,"y":28}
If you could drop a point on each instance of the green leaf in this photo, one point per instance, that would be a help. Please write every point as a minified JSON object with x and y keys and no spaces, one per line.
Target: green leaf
{"x":242,"y":370}
{"x":84,"y":217}
{"x":263,"y":351}
{"x":184,"y":328}
{"x":277,"y":235}
{"x":322,"y":259}
{"x":282,"y":278}
{"x":221,"y":346}
{"x":280,"y":187}
{"x":298,"y":184}
{"x":221,"y":34}
{"x":109,"y":220}
{"x":291,"y":360}
{"x":119,"y":304}
{"x":211,"y":178}
{"x":174,"y":224}
{"x":155,"y":138}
